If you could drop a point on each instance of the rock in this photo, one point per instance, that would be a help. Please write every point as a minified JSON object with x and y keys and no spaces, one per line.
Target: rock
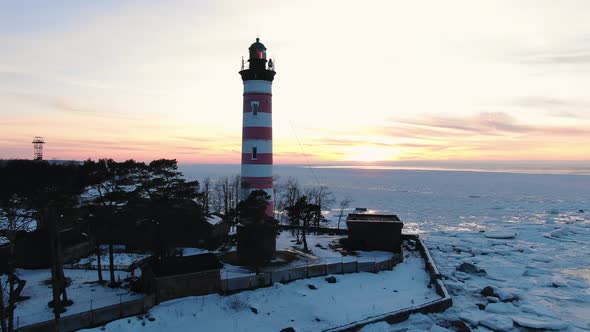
{"x":470,"y":268}
{"x":331,"y":279}
{"x":501,"y":294}
{"x":488,"y":291}
{"x":581,"y":211}
{"x":288,"y":329}
{"x":254,"y":310}
{"x":504,"y":296}
{"x":460,"y":326}
{"x":500,"y":235}
{"x":312,"y":287}
{"x":539,"y":323}
{"x":497,"y":323}
{"x":480,"y":306}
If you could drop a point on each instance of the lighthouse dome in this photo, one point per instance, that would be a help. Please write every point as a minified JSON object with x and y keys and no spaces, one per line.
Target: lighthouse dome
{"x":257,"y":46}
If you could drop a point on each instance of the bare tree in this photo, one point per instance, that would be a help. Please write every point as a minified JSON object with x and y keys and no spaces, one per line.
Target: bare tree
{"x":223,"y":196}
{"x":323,"y":198}
{"x":14,"y":218}
{"x":275,"y":192}
{"x":206,"y":195}
{"x":287,"y":194}
{"x":235,"y":187}
{"x":343,"y":205}
{"x":303,"y":213}
{"x":3,"y":327}
{"x":217,"y":197}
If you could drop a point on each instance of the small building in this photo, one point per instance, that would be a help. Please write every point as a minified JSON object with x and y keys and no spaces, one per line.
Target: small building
{"x":178,"y":277}
{"x":375,"y":232}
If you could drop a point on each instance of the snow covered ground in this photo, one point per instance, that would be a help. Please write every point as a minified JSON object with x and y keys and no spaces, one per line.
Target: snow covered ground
{"x":307,"y":305}
{"x":84,"y":294}
{"x":320,"y":253}
{"x":319,"y":246}
{"x":121,"y":260}
{"x":534,"y":257}
{"x":546,"y":265}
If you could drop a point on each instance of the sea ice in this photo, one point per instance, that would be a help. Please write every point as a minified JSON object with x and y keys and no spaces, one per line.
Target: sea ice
{"x":500,"y":235}
{"x":539,"y":323}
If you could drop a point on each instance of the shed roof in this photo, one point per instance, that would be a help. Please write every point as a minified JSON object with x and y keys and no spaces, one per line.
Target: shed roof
{"x":372,"y":217}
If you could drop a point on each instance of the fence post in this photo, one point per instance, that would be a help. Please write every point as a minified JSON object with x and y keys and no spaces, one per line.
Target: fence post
{"x":325,"y":266}
{"x":375,"y":265}
{"x":342,"y":265}
{"x":120,"y":306}
{"x":91,"y":313}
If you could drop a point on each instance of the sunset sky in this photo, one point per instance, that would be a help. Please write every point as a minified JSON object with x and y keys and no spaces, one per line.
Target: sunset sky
{"x":357,"y":81}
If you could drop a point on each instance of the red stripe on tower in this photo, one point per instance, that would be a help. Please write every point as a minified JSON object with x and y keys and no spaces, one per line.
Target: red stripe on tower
{"x":257,"y":133}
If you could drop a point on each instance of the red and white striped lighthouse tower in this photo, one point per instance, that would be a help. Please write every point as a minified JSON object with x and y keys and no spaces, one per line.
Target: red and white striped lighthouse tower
{"x":257,"y":76}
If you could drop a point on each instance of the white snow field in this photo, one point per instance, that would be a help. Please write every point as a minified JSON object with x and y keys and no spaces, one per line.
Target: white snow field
{"x":542,"y":256}
{"x":524,"y":235}
{"x":296,"y":304}
{"x":85,"y":294}
{"x":121,"y":261}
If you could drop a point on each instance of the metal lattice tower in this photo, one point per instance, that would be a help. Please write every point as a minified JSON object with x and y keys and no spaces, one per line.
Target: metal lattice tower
{"x":38,"y":148}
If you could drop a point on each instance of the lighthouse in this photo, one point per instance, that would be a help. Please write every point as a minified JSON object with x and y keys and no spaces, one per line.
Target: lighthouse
{"x":257,"y":76}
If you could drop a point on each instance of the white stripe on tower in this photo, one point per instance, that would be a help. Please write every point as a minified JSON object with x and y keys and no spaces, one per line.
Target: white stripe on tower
{"x":257,"y":139}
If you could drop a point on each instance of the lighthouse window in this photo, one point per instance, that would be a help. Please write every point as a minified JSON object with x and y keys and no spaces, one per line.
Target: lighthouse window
{"x":254,"y":105}
{"x":254,"y":153}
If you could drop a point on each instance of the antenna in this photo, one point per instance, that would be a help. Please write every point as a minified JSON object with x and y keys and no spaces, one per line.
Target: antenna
{"x":38,"y":142}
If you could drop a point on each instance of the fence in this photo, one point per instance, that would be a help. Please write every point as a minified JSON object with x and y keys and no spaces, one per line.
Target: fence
{"x":108,"y":313}
{"x":93,"y":317}
{"x":265,"y":279}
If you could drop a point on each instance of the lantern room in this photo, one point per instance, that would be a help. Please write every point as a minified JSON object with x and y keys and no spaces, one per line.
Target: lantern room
{"x":257,"y":50}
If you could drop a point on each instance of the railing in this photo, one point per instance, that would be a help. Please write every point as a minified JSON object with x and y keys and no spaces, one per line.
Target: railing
{"x":246,"y":66}
{"x":326,"y":267}
{"x":97,"y":313}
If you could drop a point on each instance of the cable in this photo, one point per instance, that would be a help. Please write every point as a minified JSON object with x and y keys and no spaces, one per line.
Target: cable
{"x":304,"y":154}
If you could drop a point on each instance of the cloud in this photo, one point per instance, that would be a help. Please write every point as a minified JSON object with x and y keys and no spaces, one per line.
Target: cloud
{"x":568,"y":51}
{"x":563,"y":57}
{"x":481,"y":124}
{"x":344,"y":142}
{"x":555,"y":107}
{"x":491,"y":123}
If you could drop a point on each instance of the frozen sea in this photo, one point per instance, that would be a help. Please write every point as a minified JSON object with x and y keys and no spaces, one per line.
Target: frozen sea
{"x":545,"y":266}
